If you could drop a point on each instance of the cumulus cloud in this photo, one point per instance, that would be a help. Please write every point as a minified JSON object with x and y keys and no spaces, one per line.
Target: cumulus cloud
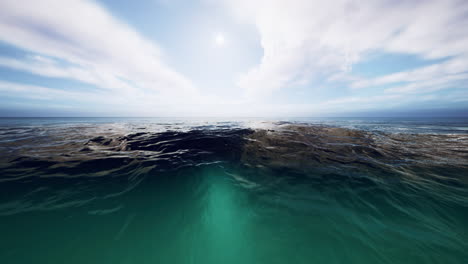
{"x":80,"y":40}
{"x":306,"y":39}
{"x":302,"y":41}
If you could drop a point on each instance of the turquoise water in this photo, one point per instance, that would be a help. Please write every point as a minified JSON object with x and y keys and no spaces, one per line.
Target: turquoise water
{"x":146,"y":191}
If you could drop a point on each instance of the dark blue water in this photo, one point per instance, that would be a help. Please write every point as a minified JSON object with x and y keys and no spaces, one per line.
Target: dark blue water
{"x":211,"y":190}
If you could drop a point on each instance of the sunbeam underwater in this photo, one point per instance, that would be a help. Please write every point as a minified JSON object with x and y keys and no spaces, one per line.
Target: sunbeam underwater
{"x":243,"y":191}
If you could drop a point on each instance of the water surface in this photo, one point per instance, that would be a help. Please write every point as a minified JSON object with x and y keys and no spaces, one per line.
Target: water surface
{"x":305,"y":190}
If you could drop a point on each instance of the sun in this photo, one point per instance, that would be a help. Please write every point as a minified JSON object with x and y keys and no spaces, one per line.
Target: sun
{"x":219,"y":39}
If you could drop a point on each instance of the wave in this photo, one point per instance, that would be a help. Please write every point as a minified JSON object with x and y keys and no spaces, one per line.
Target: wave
{"x":321,"y":154}
{"x":285,"y":192}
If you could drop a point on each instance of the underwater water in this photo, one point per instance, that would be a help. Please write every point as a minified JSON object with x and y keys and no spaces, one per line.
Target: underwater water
{"x":136,"y":190}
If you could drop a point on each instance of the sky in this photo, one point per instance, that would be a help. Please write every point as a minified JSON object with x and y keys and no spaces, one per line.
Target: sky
{"x":233,"y":58}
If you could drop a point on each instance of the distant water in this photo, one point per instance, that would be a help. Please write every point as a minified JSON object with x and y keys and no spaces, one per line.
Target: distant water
{"x":304,"y":190}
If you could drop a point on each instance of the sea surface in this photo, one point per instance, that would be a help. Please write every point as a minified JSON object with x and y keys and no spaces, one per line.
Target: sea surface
{"x":208,"y":190}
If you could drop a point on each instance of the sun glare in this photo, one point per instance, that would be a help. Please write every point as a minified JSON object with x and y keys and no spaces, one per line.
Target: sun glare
{"x":219,"y":39}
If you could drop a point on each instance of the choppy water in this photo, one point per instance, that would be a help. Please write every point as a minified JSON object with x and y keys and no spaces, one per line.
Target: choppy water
{"x":116,"y":190}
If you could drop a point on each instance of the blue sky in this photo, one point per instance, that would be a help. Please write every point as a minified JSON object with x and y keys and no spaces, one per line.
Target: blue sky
{"x":233,"y":58}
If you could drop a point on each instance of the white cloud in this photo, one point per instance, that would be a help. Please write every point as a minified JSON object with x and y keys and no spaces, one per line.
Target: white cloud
{"x":101,"y":102}
{"x":306,"y":39}
{"x":47,"y":67}
{"x":78,"y":39}
{"x":430,"y":85}
{"x":42,"y":93}
{"x":450,"y":70}
{"x":301,"y":40}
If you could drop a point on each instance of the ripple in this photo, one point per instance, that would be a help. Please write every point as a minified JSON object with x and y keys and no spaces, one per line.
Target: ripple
{"x":215,"y":190}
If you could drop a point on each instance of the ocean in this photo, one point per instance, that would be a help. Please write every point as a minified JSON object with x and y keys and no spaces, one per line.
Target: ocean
{"x":240,"y":190}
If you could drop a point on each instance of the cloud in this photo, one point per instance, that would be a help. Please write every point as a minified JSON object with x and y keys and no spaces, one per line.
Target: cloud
{"x":80,"y":40}
{"x":304,"y":39}
{"x":444,"y":70}
{"x":48,"y":67}
{"x":101,"y":102}
{"x":95,"y":103}
{"x":43,"y":93}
